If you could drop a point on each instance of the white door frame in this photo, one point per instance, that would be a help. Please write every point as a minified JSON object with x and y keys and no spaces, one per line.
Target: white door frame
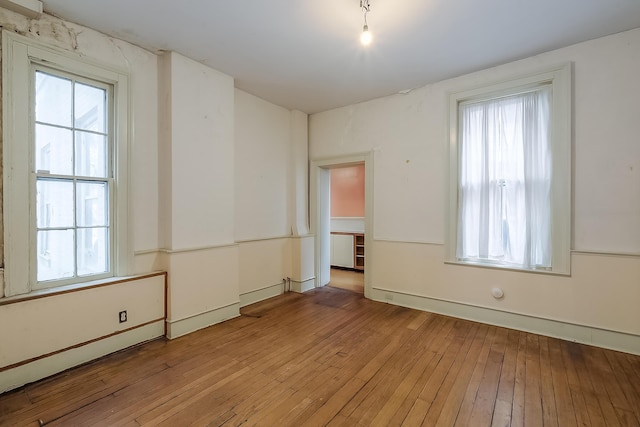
{"x":319,"y":191}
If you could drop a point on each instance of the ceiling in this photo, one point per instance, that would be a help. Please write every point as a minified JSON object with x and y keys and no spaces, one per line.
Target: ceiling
{"x":306,"y":55}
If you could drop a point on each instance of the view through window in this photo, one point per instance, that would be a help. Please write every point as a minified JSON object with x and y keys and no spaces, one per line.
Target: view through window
{"x":73,"y":176}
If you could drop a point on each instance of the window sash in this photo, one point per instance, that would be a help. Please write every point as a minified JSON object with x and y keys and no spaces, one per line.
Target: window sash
{"x":74,"y":179}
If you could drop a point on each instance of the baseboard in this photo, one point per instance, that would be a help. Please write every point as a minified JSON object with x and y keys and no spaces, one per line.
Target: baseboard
{"x":180,"y":327}
{"x":304,"y":285}
{"x":613,"y":340}
{"x":260,"y":294}
{"x":60,"y":361}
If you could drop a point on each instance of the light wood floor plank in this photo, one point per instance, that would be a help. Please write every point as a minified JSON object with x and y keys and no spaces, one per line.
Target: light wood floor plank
{"x":504,"y":399}
{"x":549,"y":411}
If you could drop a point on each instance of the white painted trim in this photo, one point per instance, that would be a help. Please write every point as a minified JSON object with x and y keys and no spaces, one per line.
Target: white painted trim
{"x":261,"y":294}
{"x":315,"y":211}
{"x":42,"y":368}
{"x":613,"y":254}
{"x":29,"y":8}
{"x":77,"y":287}
{"x":15,"y":160}
{"x":179,"y":327}
{"x":613,"y":340}
{"x":302,"y":236}
{"x":573,"y":251}
{"x":197,"y":249}
{"x":261,"y":239}
{"x":415,"y":242}
{"x":146,"y":251}
{"x":347,"y":225}
{"x":303,"y":286}
{"x":384,"y":239}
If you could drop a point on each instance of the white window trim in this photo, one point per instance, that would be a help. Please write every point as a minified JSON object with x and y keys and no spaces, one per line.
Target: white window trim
{"x":18,"y":52}
{"x":561,"y":118}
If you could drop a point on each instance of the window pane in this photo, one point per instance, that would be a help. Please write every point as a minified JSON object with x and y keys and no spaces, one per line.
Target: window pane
{"x":53,"y":99}
{"x":54,"y":203}
{"x":91,"y":157}
{"x":54,"y":150}
{"x":55,"y":254}
{"x":91,"y":204}
{"x":92,"y":251}
{"x":90,"y":108}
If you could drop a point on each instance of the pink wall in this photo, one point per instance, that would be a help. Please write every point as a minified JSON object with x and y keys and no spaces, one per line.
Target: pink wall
{"x":347,"y":191}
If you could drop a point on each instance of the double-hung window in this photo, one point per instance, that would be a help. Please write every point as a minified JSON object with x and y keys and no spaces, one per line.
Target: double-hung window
{"x":510,"y":174}
{"x":65,"y":168}
{"x":73,"y":176}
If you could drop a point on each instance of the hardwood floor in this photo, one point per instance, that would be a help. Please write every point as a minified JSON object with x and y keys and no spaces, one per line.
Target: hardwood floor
{"x":330,"y":357}
{"x":347,"y":279}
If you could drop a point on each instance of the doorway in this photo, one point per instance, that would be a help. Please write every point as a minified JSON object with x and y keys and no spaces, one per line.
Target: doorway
{"x":347,"y":256}
{"x":320,"y":201}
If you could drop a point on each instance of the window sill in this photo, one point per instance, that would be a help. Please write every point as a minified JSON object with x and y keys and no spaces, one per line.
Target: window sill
{"x":505,"y":268}
{"x":76,"y":287}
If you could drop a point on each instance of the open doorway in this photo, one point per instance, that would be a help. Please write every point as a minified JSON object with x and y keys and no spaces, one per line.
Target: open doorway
{"x":347,"y":249}
{"x":321,"y":224}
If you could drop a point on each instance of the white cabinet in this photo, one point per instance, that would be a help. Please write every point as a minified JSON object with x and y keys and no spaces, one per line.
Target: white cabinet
{"x":342,"y":250}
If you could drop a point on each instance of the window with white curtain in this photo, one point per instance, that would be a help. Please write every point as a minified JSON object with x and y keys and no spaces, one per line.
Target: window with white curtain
{"x":510,"y":180}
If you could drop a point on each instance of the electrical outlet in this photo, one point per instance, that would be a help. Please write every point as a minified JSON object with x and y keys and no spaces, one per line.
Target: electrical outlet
{"x":122,"y":316}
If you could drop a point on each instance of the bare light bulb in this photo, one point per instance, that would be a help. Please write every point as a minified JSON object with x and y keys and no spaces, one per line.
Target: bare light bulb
{"x":365,"y":37}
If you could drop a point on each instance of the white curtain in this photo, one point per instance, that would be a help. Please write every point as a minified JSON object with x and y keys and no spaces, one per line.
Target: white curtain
{"x":504,"y":211}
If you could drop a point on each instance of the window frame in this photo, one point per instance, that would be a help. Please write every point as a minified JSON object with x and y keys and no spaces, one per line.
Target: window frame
{"x":559,"y":77}
{"x":19,"y":56}
{"x":38,"y":66}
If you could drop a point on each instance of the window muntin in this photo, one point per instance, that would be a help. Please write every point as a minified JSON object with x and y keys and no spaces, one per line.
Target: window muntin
{"x":73,"y":177}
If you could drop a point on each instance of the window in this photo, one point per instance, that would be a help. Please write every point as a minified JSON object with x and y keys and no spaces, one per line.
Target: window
{"x":510,"y":174}
{"x":71,"y":118}
{"x":66,"y":163}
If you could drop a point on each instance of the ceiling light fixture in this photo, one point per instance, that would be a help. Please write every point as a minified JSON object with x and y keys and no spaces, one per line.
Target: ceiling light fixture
{"x":365,"y":37}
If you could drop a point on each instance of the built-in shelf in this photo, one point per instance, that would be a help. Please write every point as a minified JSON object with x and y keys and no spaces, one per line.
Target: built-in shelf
{"x":347,"y":250}
{"x":358,"y":245}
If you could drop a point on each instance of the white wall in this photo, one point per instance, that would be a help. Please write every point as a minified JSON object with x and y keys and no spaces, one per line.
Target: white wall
{"x":267,"y":148}
{"x":198,"y":167}
{"x":263,"y":151}
{"x":64,"y":330}
{"x":202,"y":155}
{"x":409,"y":136}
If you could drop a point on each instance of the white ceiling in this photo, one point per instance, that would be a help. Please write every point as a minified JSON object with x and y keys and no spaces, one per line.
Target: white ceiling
{"x":305,"y":55}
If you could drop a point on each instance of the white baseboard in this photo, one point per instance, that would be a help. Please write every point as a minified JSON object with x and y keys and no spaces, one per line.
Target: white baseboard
{"x":303,"y":286}
{"x":45,"y":367}
{"x":260,"y":294}
{"x":177,"y":328}
{"x":613,"y":340}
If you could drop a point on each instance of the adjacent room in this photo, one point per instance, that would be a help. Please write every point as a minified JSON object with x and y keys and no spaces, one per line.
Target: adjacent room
{"x":348,"y":212}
